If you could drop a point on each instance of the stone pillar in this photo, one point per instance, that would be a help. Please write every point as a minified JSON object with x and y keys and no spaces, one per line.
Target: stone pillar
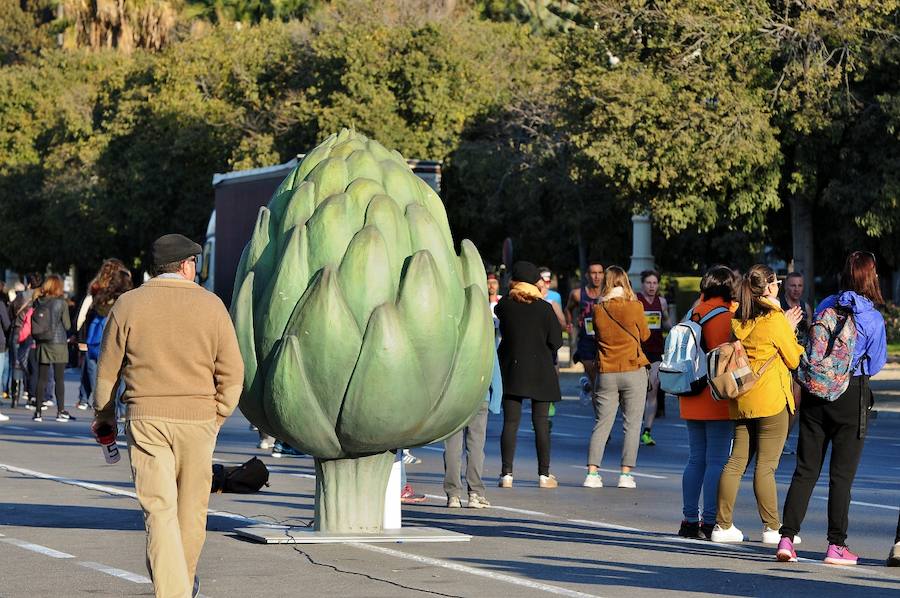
{"x":641,"y":250}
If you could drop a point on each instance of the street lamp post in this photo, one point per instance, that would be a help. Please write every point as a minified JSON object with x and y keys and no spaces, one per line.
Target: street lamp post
{"x":641,"y":248}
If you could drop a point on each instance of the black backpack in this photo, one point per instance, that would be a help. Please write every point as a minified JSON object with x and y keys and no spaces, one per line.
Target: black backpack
{"x":240,"y":479}
{"x":41,"y":327}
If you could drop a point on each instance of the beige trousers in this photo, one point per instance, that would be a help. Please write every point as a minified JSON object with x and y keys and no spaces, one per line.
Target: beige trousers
{"x":172,"y":468}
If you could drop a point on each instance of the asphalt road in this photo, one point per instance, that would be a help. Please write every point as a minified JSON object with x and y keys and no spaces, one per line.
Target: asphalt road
{"x":69,"y":526}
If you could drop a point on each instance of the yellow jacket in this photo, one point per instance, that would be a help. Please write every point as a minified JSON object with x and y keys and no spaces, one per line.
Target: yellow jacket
{"x":762,"y":338}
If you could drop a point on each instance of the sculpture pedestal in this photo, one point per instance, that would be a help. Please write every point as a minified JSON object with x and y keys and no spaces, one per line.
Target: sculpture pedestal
{"x":274,"y":534}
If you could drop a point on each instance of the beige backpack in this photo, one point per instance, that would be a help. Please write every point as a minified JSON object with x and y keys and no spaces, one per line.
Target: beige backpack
{"x":729,"y":372}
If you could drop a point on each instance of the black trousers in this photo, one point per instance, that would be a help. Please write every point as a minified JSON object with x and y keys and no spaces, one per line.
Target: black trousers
{"x":540,"y":419}
{"x":822,"y":423}
{"x":43,"y":373}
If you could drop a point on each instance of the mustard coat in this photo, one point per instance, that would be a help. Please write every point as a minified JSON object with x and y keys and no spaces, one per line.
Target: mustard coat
{"x":762,"y":338}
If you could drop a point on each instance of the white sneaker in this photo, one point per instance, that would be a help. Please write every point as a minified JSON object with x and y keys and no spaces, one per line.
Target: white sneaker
{"x":592,"y":481}
{"x":626,"y":481}
{"x":409,"y":458}
{"x":453,"y":502}
{"x":264,"y":445}
{"x":506,"y":481}
{"x":4,"y":418}
{"x":732,"y":534}
{"x":773,"y":536}
{"x":81,"y":406}
{"x":476,"y":501}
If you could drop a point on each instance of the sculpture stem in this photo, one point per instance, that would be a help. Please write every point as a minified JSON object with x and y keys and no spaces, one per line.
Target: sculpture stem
{"x":350,"y":493}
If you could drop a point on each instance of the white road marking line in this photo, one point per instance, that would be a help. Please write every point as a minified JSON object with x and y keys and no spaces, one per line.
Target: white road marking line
{"x":634,"y":473}
{"x":534,"y":585}
{"x":49,"y":433}
{"x":37,"y":548}
{"x":500,"y":508}
{"x":436,"y":449}
{"x":874,"y":505}
{"x":69,"y":481}
{"x":602,"y":525}
{"x":120,"y":573}
{"x":15,"y":428}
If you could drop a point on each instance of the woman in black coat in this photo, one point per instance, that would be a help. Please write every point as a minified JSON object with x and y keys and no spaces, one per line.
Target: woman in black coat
{"x":52,"y":347}
{"x":530,"y":337}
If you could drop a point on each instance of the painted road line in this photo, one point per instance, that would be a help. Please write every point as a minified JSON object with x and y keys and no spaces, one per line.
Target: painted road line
{"x":37,"y":548}
{"x":120,"y":573}
{"x":69,"y":481}
{"x":634,"y":473}
{"x":602,"y":525}
{"x":436,"y":449}
{"x":525,"y":583}
{"x":860,"y":503}
{"x":501,"y":508}
{"x":15,"y":428}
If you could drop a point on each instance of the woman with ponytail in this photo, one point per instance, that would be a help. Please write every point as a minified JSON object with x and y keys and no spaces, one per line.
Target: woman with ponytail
{"x":761,"y":415}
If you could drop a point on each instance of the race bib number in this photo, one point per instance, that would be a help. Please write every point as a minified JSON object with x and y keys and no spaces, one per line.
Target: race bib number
{"x":589,"y":326}
{"x":654,"y":319}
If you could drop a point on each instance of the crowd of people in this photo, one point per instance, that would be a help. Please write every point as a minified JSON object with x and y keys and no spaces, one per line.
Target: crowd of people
{"x":621,"y":344}
{"x":619,"y":338}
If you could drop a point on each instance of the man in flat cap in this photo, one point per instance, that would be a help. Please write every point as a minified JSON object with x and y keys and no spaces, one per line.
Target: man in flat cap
{"x":176,"y":348}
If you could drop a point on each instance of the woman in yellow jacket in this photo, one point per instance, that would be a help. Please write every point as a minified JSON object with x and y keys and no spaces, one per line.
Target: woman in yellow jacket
{"x":762,"y":414}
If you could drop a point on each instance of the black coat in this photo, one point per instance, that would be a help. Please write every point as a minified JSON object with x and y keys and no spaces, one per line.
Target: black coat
{"x":530,"y":336}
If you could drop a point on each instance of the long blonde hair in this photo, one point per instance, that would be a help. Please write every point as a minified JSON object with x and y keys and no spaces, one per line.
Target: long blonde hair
{"x":617,"y":277}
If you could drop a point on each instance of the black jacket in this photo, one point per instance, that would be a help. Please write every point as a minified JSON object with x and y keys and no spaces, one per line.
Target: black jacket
{"x":59,"y":320}
{"x":530,"y":337}
{"x":5,"y":326}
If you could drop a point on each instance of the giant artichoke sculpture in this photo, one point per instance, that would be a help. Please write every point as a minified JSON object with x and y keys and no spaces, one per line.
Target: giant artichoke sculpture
{"x":361,"y":329}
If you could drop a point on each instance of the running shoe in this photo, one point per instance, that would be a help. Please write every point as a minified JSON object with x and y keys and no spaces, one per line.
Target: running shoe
{"x":49,"y":403}
{"x":37,"y":417}
{"x":506,"y":481}
{"x":477,"y":501}
{"x":409,"y":458}
{"x":264,"y":445}
{"x":626,"y":480}
{"x":453,"y":502}
{"x":647,"y":439}
{"x":723,"y":535}
{"x":409,"y":496}
{"x":786,"y":552}
{"x":547,"y":481}
{"x":4,"y":418}
{"x":773,"y":536}
{"x":691,"y":529}
{"x":63,"y":416}
{"x":585,"y":391}
{"x":893,"y":559}
{"x":593,"y":480}
{"x":81,"y":405}
{"x":840,"y":555}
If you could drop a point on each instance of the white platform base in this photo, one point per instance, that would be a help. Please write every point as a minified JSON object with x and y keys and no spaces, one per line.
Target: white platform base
{"x":269,"y":534}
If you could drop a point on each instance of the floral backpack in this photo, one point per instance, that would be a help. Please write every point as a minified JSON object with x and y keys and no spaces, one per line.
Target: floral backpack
{"x":826,"y":366}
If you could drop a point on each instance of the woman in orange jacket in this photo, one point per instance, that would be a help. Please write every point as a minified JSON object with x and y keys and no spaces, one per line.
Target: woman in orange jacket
{"x":761,"y":414}
{"x":709,"y":427}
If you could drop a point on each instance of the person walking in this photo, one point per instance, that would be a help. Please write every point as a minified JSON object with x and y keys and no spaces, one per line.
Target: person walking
{"x":177,"y":351}
{"x":52,"y":347}
{"x":656,"y":310}
{"x":86,"y":314}
{"x":709,"y":426}
{"x":840,"y":423}
{"x":579,"y":313}
{"x":5,"y":327}
{"x":761,"y":414}
{"x":620,"y":328}
{"x":893,"y":559}
{"x":530,"y":336}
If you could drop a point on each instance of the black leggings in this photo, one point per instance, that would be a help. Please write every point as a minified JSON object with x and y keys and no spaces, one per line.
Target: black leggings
{"x":540,"y":419}
{"x":43,"y":372}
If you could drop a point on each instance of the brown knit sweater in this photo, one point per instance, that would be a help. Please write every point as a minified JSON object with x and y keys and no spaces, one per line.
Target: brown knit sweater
{"x":177,"y":351}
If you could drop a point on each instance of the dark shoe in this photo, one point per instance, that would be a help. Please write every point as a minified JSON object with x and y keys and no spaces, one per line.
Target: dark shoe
{"x":196,"y":591}
{"x":63,"y":416}
{"x":691,"y":529}
{"x":706,"y":529}
{"x":37,"y":417}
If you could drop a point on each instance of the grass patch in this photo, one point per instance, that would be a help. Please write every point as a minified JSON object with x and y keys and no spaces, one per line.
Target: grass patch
{"x":894,"y":349}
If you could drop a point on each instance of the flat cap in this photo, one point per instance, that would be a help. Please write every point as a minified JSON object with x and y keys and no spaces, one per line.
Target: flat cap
{"x":526,"y":272}
{"x":173,"y":248}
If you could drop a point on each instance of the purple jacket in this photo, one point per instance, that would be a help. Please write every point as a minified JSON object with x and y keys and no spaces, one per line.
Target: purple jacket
{"x":870,"y":354}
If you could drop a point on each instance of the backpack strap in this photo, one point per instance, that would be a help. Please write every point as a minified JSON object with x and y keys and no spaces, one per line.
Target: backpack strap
{"x":712,"y":314}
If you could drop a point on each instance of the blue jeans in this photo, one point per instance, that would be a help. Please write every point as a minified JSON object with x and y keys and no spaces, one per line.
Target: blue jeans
{"x":88,"y":380}
{"x":5,"y":370}
{"x":710,"y":447}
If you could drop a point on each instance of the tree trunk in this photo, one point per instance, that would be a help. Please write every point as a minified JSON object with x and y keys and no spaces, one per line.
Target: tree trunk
{"x":350,"y":493}
{"x":802,"y":234}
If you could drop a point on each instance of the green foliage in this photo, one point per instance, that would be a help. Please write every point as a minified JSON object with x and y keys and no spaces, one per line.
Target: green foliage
{"x":891,"y":313}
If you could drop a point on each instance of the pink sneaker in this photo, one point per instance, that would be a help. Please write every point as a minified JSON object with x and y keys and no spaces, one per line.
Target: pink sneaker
{"x":840,"y":555}
{"x":786,"y":552}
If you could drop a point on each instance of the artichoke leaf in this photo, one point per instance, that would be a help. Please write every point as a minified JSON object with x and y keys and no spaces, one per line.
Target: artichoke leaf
{"x":400,"y":183}
{"x":288,"y":183}
{"x":362,"y":165}
{"x":262,"y":252}
{"x":425,"y":235}
{"x":329,"y":339}
{"x":251,"y":402}
{"x":365,"y":275}
{"x":384,"y":214}
{"x":428,"y":319}
{"x":330,"y":177}
{"x":329,"y":230}
{"x":239,"y":275}
{"x":312,"y":159}
{"x":470,"y":376}
{"x":472,"y":267}
{"x":345,"y":148}
{"x":299,"y":209}
{"x":435,"y":207}
{"x":298,"y":416}
{"x":385,"y":403}
{"x":283,"y":292}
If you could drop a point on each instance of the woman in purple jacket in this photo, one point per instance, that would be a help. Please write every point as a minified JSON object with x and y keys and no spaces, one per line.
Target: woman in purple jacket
{"x":842,"y":422}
